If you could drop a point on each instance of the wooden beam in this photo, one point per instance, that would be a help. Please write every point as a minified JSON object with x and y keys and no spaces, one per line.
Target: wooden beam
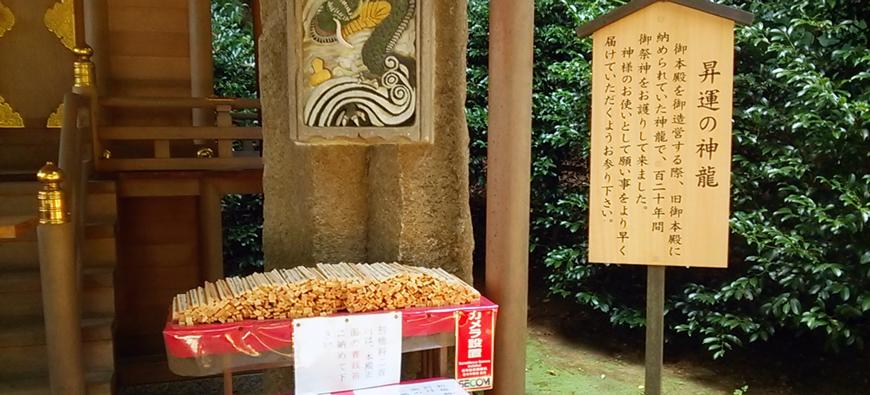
{"x":655,"y":317}
{"x":157,"y":187}
{"x":188,"y":183}
{"x":201,"y":63}
{"x":162,"y":149}
{"x":224,"y":120}
{"x":96,"y":17}
{"x":508,"y":179}
{"x":180,"y":133}
{"x":211,"y":232}
{"x":242,"y":182}
{"x":178,"y":102}
{"x":79,"y":22}
{"x":243,"y":163}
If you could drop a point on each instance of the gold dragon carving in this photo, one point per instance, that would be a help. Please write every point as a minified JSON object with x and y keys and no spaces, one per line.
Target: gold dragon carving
{"x":60,"y":20}
{"x":8,"y":117}
{"x":7,"y":19}
{"x":55,"y":120}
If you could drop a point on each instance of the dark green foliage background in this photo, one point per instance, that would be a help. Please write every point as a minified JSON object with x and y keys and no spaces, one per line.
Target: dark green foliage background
{"x":800,"y":263}
{"x":236,"y":76}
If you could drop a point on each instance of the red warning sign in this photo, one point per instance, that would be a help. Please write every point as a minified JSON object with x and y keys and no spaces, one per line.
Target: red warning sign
{"x":475,"y":337}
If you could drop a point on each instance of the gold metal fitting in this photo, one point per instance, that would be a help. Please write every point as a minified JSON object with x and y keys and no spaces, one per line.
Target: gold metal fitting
{"x":83,"y":67}
{"x":107,"y":154}
{"x":52,"y":204}
{"x":205,"y":153}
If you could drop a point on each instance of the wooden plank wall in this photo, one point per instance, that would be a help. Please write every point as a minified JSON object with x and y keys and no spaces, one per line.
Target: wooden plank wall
{"x":35,"y":72}
{"x":35,"y":67}
{"x":149,"y":56}
{"x":159,"y":257}
{"x":26,"y":150}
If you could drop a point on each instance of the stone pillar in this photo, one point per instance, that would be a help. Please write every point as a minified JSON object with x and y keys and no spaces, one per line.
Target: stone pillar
{"x":358,"y":203}
{"x":347,"y":202}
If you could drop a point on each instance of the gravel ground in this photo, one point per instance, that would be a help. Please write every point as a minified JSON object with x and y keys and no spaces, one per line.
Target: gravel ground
{"x":251,"y":384}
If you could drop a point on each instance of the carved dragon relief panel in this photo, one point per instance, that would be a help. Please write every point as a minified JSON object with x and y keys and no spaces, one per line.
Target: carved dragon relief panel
{"x":360,"y":67}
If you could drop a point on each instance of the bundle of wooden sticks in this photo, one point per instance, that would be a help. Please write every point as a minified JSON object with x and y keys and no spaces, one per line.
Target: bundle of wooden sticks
{"x":326,"y":289}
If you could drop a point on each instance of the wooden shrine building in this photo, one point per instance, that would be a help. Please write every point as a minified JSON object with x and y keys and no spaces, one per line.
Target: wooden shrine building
{"x":119,"y":92}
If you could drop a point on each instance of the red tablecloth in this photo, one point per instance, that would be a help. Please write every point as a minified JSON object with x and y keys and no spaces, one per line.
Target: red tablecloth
{"x":255,"y":337}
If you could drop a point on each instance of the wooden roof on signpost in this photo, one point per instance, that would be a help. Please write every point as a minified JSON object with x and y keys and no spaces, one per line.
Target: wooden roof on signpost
{"x":735,"y":14}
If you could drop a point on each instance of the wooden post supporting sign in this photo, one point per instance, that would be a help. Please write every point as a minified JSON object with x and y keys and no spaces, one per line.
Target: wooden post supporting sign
{"x":655,"y":329}
{"x":660,"y":167}
{"x":507,"y":192}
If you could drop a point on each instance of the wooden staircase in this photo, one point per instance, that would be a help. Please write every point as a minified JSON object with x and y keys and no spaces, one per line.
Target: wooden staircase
{"x":23,"y":359}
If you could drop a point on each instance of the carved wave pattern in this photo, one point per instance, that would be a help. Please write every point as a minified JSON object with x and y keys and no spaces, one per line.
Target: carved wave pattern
{"x":352,"y":102}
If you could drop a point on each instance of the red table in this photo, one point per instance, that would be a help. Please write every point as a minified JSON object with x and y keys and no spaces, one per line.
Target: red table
{"x":205,"y":350}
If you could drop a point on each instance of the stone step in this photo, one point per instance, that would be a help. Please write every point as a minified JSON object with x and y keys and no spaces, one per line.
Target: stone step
{"x":98,"y":383}
{"x":12,"y":175}
{"x":18,"y":198}
{"x":32,"y":360}
{"x":30,"y":331}
{"x":98,"y":249}
{"x":21,"y":292}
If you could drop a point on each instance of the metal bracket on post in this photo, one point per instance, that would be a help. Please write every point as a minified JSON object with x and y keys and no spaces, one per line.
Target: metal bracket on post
{"x":655,"y":317}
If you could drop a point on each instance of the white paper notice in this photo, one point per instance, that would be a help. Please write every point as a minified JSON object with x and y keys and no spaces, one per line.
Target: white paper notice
{"x":347,"y":352}
{"x":435,"y":387}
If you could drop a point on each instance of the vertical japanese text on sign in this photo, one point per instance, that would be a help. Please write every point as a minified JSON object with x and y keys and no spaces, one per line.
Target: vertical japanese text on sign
{"x":661,"y":138}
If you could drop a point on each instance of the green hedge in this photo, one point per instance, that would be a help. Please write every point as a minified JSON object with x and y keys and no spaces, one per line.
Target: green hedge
{"x":800,"y":245}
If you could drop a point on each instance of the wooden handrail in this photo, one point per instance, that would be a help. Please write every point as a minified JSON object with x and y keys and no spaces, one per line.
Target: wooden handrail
{"x":182,"y":164}
{"x":179,"y":102}
{"x":225,"y":157}
{"x":71,"y":157}
{"x":58,"y":270}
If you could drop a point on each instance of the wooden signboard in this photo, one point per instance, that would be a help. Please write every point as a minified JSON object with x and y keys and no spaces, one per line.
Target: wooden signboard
{"x":660,"y":170}
{"x":661,"y":136}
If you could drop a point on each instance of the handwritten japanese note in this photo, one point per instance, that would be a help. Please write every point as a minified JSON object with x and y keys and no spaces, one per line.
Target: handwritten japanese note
{"x":661,"y":138}
{"x":347,"y":352}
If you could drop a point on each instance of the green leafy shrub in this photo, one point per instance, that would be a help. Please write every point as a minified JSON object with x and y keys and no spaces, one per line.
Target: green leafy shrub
{"x":235,"y":71}
{"x":243,"y":234}
{"x":800,"y":244}
{"x":236,"y":76}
